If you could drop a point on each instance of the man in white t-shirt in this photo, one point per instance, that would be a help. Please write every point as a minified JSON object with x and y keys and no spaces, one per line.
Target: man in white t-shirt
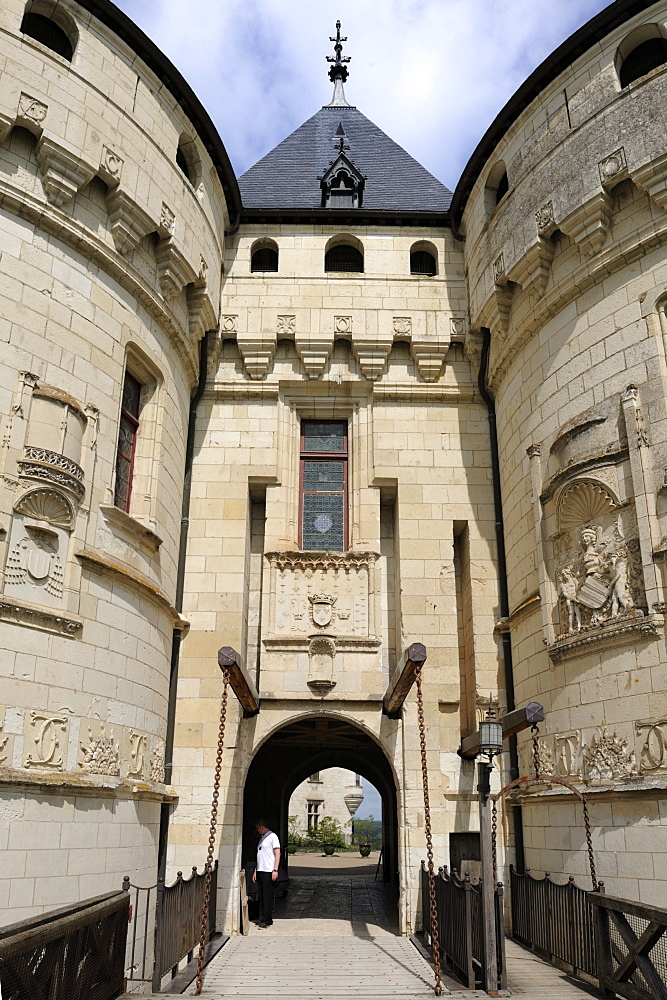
{"x":266,"y":873}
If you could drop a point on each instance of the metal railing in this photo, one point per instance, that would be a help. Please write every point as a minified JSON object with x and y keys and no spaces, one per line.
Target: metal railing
{"x":459,"y":908}
{"x":73,"y":953}
{"x":555,"y":920}
{"x":156,"y":948}
{"x":631,"y":947}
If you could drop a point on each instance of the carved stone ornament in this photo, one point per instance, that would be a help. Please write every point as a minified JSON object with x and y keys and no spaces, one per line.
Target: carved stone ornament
{"x":167,"y":220}
{"x":202,"y":273}
{"x":612,"y":167}
{"x":322,"y":609}
{"x":111,"y":166}
{"x":286,"y":326}
{"x":46,"y":505}
{"x":499,"y":268}
{"x":342,"y":324}
{"x":18,"y":613}
{"x":544,"y":220}
{"x":457,"y":327}
{"x":31,"y":113}
{"x":49,"y":466}
{"x":402,"y":326}
{"x":4,"y":740}
{"x":653,"y":755}
{"x":321,"y":653}
{"x":583,"y":502}
{"x":137,"y":744}
{"x":101,"y":753}
{"x":34,"y":561}
{"x":608,"y":757}
{"x":156,"y":764}
{"x":229,"y":324}
{"x":545,"y":759}
{"x":44,"y":735}
{"x":568,"y":755}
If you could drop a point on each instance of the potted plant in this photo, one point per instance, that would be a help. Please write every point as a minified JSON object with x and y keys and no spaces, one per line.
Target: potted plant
{"x":364,"y":850}
{"x":291,"y":847}
{"x":329,"y":849}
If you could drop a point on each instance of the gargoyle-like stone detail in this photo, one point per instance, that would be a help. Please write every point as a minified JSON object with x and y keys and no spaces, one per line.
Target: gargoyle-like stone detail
{"x":286,"y":326}
{"x":44,"y":736}
{"x":613,"y":168}
{"x":314,"y":353}
{"x":137,"y":761}
{"x":568,"y":755}
{"x":111,"y":166}
{"x":372,"y":356}
{"x":47,"y":621}
{"x":545,"y":221}
{"x":101,"y":754}
{"x":322,"y":609}
{"x":31,"y":113}
{"x":174,"y":271}
{"x":608,"y":756}
{"x":589,"y":223}
{"x":156,"y":764}
{"x":653,"y":756}
{"x":402,"y":326}
{"x":321,"y":656}
{"x":652,"y":178}
{"x":128,"y":223}
{"x":63,"y":173}
{"x":533,"y":268}
{"x":429,"y":358}
{"x":342,"y":325}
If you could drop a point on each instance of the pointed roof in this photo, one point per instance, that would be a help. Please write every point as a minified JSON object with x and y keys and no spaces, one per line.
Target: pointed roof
{"x":289,"y":176}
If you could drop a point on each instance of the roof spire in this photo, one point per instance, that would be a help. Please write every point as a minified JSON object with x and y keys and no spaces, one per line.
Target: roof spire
{"x":338,"y":71}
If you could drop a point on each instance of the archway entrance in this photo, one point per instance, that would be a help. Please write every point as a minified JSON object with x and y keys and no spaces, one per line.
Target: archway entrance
{"x":293,"y":754}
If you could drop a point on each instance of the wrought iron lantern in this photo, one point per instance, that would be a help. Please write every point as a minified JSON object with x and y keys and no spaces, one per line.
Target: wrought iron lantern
{"x":490,"y":735}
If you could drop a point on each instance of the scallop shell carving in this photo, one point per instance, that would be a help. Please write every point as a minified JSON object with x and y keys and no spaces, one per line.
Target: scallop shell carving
{"x":583,"y":502}
{"x":46,"y":505}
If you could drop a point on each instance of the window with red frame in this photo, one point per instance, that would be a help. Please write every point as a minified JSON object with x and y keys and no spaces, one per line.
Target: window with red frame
{"x":324,"y":485}
{"x":127,"y":440}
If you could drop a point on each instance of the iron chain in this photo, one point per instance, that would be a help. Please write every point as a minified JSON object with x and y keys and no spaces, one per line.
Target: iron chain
{"x":211,"y":836}
{"x":435,"y":930}
{"x":494,"y":840}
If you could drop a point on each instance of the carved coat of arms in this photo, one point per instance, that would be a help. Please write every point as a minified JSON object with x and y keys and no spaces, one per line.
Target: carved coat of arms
{"x":322,"y":609}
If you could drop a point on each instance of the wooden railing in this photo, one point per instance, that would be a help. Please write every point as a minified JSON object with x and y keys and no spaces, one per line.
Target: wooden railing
{"x":631,"y":947}
{"x":460,"y":918}
{"x":74,"y":953}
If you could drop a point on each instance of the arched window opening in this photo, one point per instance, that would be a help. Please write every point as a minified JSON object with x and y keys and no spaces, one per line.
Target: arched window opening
{"x":423,"y":262}
{"x":502,"y":189}
{"x":264,"y":258}
{"x":645,"y":57}
{"x":344,"y":257}
{"x":50,"y":34}
{"x":182,"y":163}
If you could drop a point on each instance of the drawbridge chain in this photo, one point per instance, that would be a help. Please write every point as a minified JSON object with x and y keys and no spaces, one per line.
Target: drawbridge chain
{"x":211,"y":836}
{"x":435,"y":930}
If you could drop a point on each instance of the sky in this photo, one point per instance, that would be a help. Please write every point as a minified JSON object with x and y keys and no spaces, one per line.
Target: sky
{"x":372,"y":804}
{"x":432,"y":74}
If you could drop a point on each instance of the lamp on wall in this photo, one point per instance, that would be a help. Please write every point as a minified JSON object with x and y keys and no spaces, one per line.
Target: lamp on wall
{"x":490,"y":734}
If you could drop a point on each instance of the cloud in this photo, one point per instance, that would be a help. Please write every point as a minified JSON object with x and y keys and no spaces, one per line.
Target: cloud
{"x":431,"y":73}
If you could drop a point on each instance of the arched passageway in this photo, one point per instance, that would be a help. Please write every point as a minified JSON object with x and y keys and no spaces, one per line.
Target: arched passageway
{"x":292,"y":754}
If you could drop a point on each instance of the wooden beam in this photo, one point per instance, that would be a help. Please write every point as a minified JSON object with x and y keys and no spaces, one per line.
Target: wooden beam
{"x":403,"y":677}
{"x":242,"y":685}
{"x":513,"y":722}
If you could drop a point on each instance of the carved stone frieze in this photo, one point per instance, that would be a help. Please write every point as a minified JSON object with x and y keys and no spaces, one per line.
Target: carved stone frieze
{"x":135,"y":753}
{"x":12,"y":610}
{"x":63,"y":173}
{"x":156,"y":763}
{"x":567,"y":754}
{"x":607,"y":757}
{"x":48,"y":466}
{"x":625,"y":630}
{"x":653,"y":752}
{"x":100,"y":754}
{"x":402,"y":326}
{"x":45,"y":741}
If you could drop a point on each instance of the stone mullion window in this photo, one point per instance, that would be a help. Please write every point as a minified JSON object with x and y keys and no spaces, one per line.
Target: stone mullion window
{"x":127,"y":441}
{"x":313,"y":816}
{"x":323,"y":485}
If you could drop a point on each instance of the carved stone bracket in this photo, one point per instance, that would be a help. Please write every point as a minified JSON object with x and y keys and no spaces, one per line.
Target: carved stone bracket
{"x":589,"y":223}
{"x":129,"y":224}
{"x":174,"y":271}
{"x":257,"y":351}
{"x":63,"y":173}
{"x":652,"y":178}
{"x":372,"y":355}
{"x":201,"y":314}
{"x":314,"y":353}
{"x":532,"y":270}
{"x":627,"y":629}
{"x":429,"y":358}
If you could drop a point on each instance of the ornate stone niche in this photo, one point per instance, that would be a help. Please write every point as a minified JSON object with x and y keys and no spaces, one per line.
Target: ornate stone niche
{"x":37,"y":550}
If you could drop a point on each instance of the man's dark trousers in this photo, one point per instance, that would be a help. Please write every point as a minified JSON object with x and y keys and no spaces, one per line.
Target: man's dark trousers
{"x":266,"y":892}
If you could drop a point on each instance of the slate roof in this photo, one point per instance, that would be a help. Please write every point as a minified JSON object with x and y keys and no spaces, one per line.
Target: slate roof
{"x":287,"y":177}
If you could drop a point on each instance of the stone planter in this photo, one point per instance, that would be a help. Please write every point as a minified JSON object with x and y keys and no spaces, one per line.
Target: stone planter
{"x":291,"y":848}
{"x":364,"y":850}
{"x":329,"y":849}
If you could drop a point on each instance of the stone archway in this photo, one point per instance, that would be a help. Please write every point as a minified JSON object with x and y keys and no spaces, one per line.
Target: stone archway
{"x":294,"y":752}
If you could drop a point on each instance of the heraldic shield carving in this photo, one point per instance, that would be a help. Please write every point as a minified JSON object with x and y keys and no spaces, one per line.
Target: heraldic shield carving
{"x":322,"y":609}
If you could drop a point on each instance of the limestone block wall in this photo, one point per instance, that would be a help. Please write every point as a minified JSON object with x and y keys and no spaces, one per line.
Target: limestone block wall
{"x":381,"y":350}
{"x":329,"y":789}
{"x":568,"y":273}
{"x":110,"y":261}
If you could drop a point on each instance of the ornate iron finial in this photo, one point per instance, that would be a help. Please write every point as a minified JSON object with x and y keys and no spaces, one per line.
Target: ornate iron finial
{"x":338,"y":71}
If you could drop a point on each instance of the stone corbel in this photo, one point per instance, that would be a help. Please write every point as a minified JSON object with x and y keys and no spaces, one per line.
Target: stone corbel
{"x":372,"y":355}
{"x":129,"y":223}
{"x":429,"y":358}
{"x":63,"y":173}
{"x":6,"y":125}
{"x":314,"y":352}
{"x":257,"y":351}
{"x":174,"y":271}
{"x":533,"y":268}
{"x":201,"y":314}
{"x":652,"y":178}
{"x":588,"y":225}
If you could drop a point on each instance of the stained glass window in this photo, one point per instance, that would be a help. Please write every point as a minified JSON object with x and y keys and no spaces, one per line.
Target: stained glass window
{"x":324,"y":485}
{"x":127,"y":439}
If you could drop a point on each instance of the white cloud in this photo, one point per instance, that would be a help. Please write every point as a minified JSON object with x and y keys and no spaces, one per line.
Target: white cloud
{"x":431,"y":73}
